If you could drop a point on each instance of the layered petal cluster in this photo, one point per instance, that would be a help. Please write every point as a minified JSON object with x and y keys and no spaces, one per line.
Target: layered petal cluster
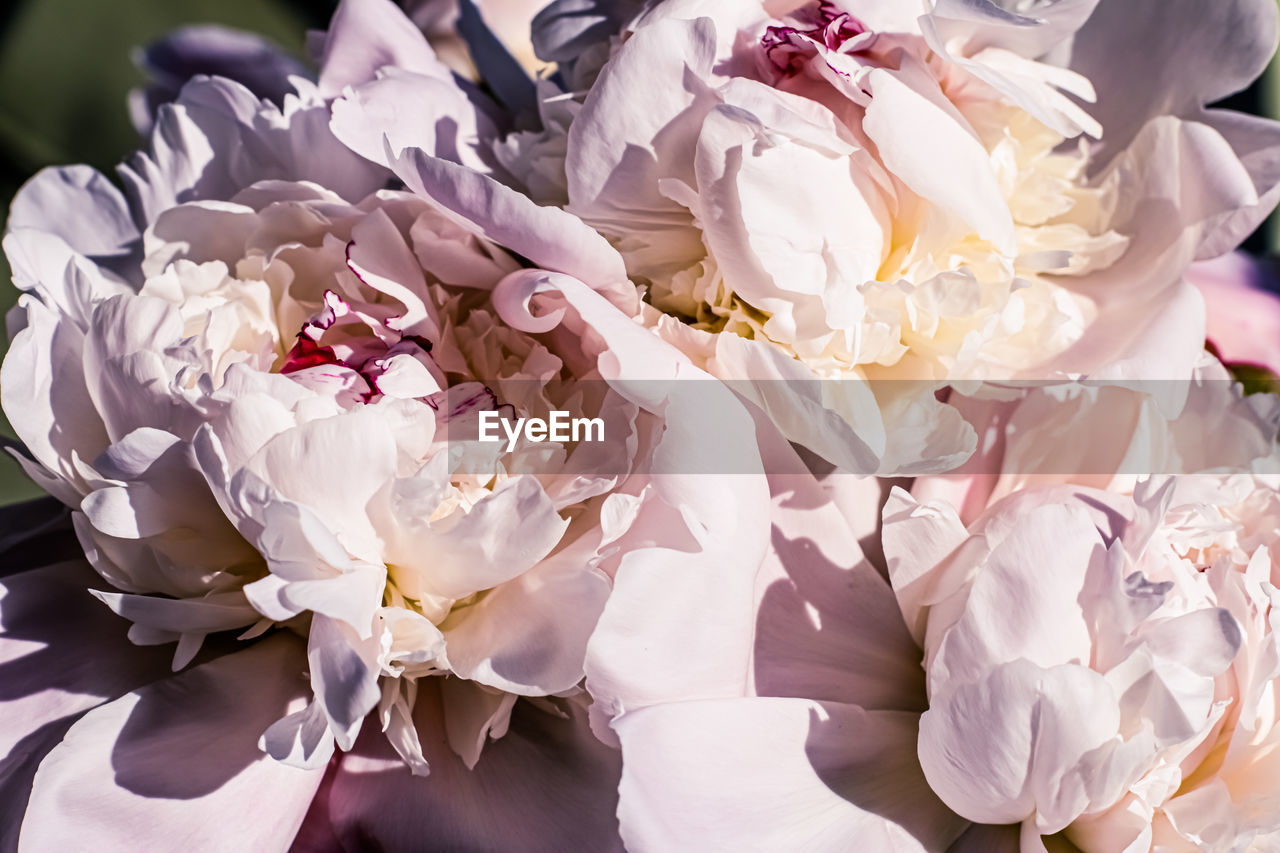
{"x":766,"y":252}
{"x":845,"y":190}
{"x":1100,"y":664}
{"x":256,"y":383}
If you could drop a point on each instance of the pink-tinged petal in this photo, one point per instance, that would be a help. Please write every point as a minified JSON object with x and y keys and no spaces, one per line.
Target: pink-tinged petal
{"x":251,"y":420}
{"x":642,"y":94}
{"x":302,"y":739}
{"x":1125,"y":826}
{"x":297,"y":544}
{"x":44,"y":265}
{"x":201,"y":231}
{"x":162,"y":505}
{"x":351,"y":597}
{"x":827,"y":625}
{"x":788,"y":220}
{"x":1256,"y":141}
{"x":1168,"y":347}
{"x":984,"y":23}
{"x":1145,"y":60}
{"x":529,"y":635}
{"x":176,"y":765}
{"x":546,"y":784}
{"x":44,"y":393}
{"x":199,"y":145}
{"x":267,"y":597}
{"x":843,"y":422}
{"x":776,"y":774}
{"x":78,"y":204}
{"x":221,"y":611}
{"x":139,"y":509}
{"x":1013,"y":613}
{"x":344,"y":675}
{"x":61,"y":653}
{"x":917,"y":536}
{"x":700,"y":534}
{"x":999,"y":749}
{"x":657,"y":641}
{"x":1208,"y":815}
{"x":936,"y":157}
{"x":192,"y":142}
{"x":696,"y":538}
{"x":410,"y":110}
{"x":366,"y":35}
{"x":1184,"y":179}
{"x":548,"y":236}
{"x":127,"y":376}
{"x":472,"y":715}
{"x":378,"y":255}
{"x":1243,"y":316}
{"x":257,"y":62}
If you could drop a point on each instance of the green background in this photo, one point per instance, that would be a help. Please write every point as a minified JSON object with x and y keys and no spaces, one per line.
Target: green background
{"x":66,"y":69}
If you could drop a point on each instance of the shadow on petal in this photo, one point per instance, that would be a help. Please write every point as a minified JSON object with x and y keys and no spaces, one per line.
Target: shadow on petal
{"x":177,"y":716}
{"x":76,"y":644}
{"x":547,"y":784}
{"x":833,"y":632}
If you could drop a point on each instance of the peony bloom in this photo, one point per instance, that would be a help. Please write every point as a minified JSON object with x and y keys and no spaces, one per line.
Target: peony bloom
{"x":844,"y":190}
{"x":1098,"y":664}
{"x":261,"y":408}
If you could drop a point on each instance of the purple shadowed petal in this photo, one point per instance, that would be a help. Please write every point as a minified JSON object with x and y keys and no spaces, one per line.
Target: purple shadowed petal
{"x":249,"y":59}
{"x":546,"y":784}
{"x":61,"y":653}
{"x":166,"y":766}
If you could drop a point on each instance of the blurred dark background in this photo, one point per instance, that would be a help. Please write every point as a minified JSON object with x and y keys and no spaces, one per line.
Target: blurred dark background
{"x":66,"y":67}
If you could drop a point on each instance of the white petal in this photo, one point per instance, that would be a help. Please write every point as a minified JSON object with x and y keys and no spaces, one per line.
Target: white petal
{"x":164,"y":766}
{"x":776,"y":774}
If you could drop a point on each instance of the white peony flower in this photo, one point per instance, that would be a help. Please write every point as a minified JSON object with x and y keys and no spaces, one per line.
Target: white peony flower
{"x":857,"y":191}
{"x":1100,"y":664}
{"x":262,"y":410}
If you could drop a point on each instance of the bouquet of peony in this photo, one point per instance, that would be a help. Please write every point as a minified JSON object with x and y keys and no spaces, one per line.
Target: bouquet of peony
{"x":657,"y":425}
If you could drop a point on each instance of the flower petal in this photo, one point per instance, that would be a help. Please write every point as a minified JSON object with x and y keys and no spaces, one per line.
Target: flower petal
{"x":776,"y":774}
{"x":54,"y":669}
{"x":165,"y":766}
{"x":547,"y":784}
{"x":366,"y":35}
{"x":78,"y":204}
{"x":1146,"y":59}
